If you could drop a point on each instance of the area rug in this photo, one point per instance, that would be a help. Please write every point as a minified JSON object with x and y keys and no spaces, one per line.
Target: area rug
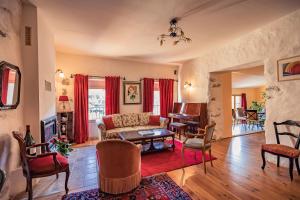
{"x":169,"y":160}
{"x":159,"y":187}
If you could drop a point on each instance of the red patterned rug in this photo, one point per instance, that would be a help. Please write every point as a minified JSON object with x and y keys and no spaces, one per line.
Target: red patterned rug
{"x":169,"y":160}
{"x":159,"y":187}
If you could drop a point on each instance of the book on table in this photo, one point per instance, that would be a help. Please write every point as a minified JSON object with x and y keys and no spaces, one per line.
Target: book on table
{"x":146,"y":132}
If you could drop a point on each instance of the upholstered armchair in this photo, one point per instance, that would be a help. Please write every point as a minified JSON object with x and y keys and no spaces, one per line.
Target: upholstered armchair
{"x":119,"y":166}
{"x":41,"y":165}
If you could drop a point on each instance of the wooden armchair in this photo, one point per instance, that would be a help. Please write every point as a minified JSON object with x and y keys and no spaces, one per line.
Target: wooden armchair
{"x":281,"y":150}
{"x":200,"y":141}
{"x":41,"y":165}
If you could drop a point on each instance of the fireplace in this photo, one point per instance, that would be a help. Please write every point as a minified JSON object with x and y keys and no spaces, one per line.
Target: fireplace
{"x":48,"y":130}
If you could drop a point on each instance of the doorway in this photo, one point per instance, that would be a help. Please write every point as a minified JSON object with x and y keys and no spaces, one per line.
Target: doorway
{"x":247,"y":100}
{"x":236,"y":101}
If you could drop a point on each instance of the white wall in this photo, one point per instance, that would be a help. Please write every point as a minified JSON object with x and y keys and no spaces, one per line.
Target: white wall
{"x":264,"y":46}
{"x":89,"y":65}
{"x":39,"y":62}
{"x":46,"y":63}
{"x":133,"y":71}
{"x":31,"y":72}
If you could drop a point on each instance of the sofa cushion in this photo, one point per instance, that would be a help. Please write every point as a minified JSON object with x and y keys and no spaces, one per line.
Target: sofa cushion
{"x":144,"y":118}
{"x":154,"y":120}
{"x":117,"y":119}
{"x":130,"y":119}
{"x":109,"y":124}
{"x":114,"y":133}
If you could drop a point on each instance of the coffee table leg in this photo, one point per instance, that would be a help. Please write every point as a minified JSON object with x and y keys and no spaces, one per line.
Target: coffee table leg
{"x":151,"y":145}
{"x":173,"y":138}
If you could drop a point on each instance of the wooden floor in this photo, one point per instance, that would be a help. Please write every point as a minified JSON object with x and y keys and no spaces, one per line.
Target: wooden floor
{"x":236,"y":174}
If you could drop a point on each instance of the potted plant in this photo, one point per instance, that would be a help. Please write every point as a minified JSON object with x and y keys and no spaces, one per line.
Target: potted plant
{"x":62,"y":146}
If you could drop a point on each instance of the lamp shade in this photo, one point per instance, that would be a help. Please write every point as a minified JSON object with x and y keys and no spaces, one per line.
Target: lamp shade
{"x":63,"y":98}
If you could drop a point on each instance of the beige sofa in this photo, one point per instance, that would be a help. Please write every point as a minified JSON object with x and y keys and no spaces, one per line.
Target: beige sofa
{"x":128,"y":122}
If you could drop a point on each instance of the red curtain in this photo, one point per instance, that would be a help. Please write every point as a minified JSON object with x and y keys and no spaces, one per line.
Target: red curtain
{"x":5,"y":79}
{"x":244,"y":101}
{"x":81,"y":130}
{"x":148,"y":95}
{"x":166,"y":87}
{"x":112,"y":95}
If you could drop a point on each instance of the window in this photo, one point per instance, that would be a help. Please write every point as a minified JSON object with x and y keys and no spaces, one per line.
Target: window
{"x":156,"y":102}
{"x":236,"y":101}
{"x":96,"y":99}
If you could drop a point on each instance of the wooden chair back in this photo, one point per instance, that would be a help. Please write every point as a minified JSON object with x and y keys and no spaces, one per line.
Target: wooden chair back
{"x":251,"y":114}
{"x":290,"y":123}
{"x":22,"y":146}
{"x":233,"y":114}
{"x":240,"y":112}
{"x":209,"y":132}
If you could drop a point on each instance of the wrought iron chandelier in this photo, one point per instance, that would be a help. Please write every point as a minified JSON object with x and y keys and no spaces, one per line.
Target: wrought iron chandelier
{"x":175,"y":33}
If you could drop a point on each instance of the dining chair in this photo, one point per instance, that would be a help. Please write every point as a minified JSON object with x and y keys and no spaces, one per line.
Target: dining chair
{"x":280,"y":150}
{"x":200,"y":142}
{"x":252,"y":118}
{"x":241,"y":116}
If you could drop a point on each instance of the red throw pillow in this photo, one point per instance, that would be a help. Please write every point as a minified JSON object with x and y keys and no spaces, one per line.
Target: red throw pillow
{"x":154,"y":120}
{"x":109,"y":124}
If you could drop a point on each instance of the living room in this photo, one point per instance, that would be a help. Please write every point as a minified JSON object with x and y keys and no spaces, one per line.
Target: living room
{"x":138,"y":90}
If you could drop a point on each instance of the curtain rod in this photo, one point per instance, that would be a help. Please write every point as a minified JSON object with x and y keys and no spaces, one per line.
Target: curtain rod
{"x":94,"y":76}
{"x":157,"y":79}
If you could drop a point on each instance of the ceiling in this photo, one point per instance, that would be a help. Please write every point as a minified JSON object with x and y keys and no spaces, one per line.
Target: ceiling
{"x":248,"y":78}
{"x":128,"y":29}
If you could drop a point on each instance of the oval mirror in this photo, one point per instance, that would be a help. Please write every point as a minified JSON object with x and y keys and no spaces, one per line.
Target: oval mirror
{"x":10,"y":83}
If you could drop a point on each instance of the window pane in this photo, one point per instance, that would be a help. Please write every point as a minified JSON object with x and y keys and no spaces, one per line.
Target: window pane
{"x":156,"y":103}
{"x":238,"y":101}
{"x":96,"y":103}
{"x":232,"y":102}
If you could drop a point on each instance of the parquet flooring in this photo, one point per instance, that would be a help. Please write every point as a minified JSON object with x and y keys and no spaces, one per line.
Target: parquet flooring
{"x":236,"y":174}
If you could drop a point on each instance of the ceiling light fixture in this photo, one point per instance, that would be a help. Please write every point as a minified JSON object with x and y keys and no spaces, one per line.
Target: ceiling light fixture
{"x":175,"y":33}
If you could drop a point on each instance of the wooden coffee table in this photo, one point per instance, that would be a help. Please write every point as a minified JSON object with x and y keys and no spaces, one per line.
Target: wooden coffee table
{"x":150,"y":143}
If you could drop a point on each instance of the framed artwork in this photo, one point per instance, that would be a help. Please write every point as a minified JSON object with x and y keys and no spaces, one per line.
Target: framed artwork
{"x":132,"y":92}
{"x":288,"y":69}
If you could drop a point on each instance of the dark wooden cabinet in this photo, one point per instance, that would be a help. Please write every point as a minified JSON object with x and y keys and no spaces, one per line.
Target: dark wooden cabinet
{"x":66,"y":124}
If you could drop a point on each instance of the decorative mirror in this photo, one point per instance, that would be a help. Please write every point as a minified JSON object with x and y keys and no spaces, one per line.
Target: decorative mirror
{"x":10,"y":85}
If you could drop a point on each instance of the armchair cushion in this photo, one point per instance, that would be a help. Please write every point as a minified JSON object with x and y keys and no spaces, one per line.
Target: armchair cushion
{"x":109,"y":124}
{"x":154,"y":120}
{"x":46,"y":164}
{"x":281,"y":150}
{"x":195,"y":143}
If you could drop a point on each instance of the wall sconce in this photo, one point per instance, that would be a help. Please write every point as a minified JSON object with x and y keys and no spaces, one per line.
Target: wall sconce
{"x":60,"y":73}
{"x":187,"y":84}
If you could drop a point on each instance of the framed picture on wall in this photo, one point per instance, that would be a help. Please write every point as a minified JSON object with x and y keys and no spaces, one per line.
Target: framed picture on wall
{"x":288,"y":69}
{"x":132,"y":92}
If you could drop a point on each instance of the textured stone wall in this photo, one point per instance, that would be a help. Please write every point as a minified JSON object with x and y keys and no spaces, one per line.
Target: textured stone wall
{"x":279,"y":39}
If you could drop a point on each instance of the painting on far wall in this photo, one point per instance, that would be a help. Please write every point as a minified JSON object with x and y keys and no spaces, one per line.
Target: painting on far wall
{"x":288,"y":68}
{"x":132,"y":92}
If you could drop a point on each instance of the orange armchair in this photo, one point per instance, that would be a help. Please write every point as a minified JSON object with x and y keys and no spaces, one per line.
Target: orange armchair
{"x":41,"y":165}
{"x":119,"y":166}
